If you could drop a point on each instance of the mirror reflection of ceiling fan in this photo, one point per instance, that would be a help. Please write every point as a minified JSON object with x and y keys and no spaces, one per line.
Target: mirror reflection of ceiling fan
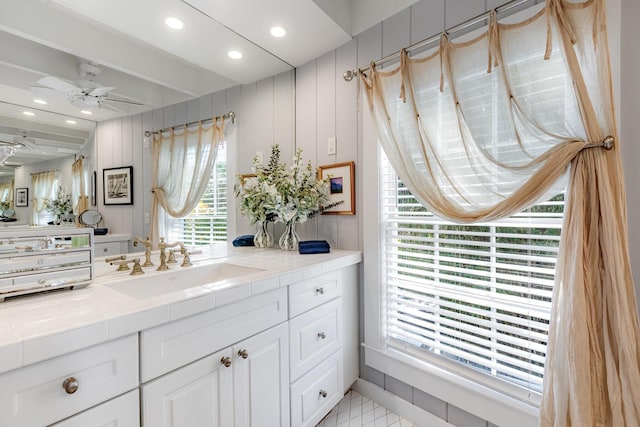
{"x":84,"y":94}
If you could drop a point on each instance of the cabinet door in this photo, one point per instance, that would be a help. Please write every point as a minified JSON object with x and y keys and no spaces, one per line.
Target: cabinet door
{"x":199,"y":394}
{"x":123,"y":411}
{"x":261,"y":379}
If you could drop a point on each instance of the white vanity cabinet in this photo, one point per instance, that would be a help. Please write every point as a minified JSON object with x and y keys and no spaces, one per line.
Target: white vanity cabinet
{"x":49,"y":391}
{"x":245,"y":384}
{"x":123,"y":411}
{"x":199,"y":394}
{"x":323,"y":343}
{"x":111,"y":244}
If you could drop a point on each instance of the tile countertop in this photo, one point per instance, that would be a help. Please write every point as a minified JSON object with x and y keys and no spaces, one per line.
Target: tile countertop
{"x":42,"y":326}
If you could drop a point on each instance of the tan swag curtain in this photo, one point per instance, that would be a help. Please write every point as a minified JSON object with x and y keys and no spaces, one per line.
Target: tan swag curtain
{"x":483,"y":129}
{"x":79,"y":197}
{"x":182,"y":165}
{"x":42,"y":184}
{"x":6,"y":192}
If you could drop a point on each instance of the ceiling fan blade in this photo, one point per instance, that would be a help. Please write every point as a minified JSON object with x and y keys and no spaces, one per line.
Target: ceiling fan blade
{"x":107,"y":106}
{"x":100,"y":91}
{"x":123,"y":101}
{"x":45,"y":92}
{"x":58,"y":84}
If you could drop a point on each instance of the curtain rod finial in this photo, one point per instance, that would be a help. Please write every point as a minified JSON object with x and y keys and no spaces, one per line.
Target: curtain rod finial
{"x":349,"y":75}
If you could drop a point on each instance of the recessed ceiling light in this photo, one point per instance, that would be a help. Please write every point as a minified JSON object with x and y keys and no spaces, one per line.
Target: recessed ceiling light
{"x":278,"y":32}
{"x":87,"y":112}
{"x":234,"y":54}
{"x":40,"y":101}
{"x":28,"y":113}
{"x":72,"y":122}
{"x":173,"y":22}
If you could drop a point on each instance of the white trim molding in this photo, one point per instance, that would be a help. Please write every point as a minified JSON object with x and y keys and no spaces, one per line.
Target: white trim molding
{"x":463,"y":393}
{"x":398,"y":405}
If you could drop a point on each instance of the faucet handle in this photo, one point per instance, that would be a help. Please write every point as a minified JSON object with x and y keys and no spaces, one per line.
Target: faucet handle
{"x":171,"y":259}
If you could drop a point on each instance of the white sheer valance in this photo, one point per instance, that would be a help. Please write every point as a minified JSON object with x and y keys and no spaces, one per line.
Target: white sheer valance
{"x":483,"y":129}
{"x":182,"y":164}
{"x":42,"y":184}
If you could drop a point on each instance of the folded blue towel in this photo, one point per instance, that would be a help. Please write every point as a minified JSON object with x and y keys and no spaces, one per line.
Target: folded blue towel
{"x":314,"y":247}
{"x":246,"y":240}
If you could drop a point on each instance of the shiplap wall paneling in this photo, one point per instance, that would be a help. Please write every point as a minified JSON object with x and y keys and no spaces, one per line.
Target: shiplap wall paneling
{"x":349,"y":234}
{"x":306,"y":127}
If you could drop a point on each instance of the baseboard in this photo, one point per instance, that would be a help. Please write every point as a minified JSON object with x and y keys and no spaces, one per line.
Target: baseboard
{"x":399,"y":406}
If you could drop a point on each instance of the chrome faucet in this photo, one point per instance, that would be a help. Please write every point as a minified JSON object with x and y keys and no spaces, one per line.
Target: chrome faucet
{"x":147,"y":250}
{"x":163,"y":255}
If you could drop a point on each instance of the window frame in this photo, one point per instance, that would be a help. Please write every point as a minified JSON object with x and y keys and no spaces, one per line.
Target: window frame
{"x":456,"y":388}
{"x":171,"y":222}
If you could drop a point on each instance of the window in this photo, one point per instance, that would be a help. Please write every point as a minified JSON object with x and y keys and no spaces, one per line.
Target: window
{"x":474,"y":298}
{"x":208,"y":221}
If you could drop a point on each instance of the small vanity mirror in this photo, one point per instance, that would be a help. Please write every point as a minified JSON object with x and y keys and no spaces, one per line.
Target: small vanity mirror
{"x":8,"y":215}
{"x":91,"y":218}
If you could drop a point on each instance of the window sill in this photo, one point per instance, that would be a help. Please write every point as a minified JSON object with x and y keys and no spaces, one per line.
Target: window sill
{"x":461,"y":392}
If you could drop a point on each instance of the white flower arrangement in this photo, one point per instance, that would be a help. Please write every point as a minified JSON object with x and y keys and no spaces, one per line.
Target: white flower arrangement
{"x":60,"y":204}
{"x":281,"y":193}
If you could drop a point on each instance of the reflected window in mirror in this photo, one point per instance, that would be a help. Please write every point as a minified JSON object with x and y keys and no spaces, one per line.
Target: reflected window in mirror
{"x":208,"y":221}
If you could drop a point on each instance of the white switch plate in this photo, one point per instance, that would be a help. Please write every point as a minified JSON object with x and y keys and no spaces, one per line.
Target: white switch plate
{"x":331,"y":145}
{"x":147,"y":218}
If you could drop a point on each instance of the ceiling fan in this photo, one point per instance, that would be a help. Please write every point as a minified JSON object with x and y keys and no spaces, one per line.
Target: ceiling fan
{"x":84,"y":94}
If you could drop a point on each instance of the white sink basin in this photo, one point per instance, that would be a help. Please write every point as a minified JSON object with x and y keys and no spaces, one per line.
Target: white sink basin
{"x":180,"y":279}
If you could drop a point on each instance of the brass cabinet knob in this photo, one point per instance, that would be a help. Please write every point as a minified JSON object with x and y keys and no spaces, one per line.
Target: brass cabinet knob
{"x":320,"y":291}
{"x":226,"y":361}
{"x":243,"y":353}
{"x":323,"y":393}
{"x":321,"y":335}
{"x":70,"y":385}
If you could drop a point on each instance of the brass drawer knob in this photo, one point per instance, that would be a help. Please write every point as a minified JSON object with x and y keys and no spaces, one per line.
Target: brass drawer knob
{"x":321,"y":335}
{"x":323,"y":393}
{"x":226,"y":361}
{"x":70,"y":385}
{"x":243,"y":353}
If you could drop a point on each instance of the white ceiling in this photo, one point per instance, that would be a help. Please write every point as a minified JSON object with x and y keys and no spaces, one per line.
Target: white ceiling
{"x":149,"y":63}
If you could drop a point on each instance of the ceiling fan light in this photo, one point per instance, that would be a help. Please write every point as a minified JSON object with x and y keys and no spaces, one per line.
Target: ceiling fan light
{"x":173,"y":22}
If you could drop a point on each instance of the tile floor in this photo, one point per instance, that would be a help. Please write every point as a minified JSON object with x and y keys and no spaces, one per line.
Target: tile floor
{"x":356,"y":410}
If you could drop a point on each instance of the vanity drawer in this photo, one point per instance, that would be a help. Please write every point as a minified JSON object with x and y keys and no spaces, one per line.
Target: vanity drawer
{"x":35,"y":395}
{"x":313,"y":395}
{"x":313,"y":336}
{"x":167,"y":347}
{"x":313,"y":292}
{"x":107,"y":249}
{"x":123,"y":411}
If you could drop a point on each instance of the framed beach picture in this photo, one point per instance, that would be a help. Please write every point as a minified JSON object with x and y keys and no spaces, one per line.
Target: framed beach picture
{"x":117,"y":186}
{"x":342,"y":187}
